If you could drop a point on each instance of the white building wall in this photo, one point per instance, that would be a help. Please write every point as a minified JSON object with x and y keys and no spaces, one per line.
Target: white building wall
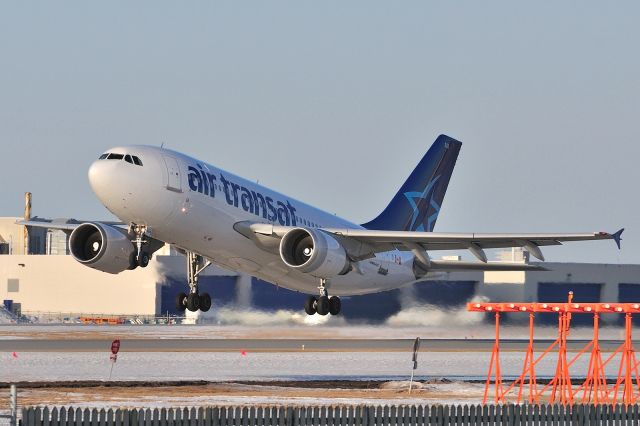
{"x":60,"y":284}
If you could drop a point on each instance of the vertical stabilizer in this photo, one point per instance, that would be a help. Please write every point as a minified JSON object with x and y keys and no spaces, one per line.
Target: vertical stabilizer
{"x":417,"y":205}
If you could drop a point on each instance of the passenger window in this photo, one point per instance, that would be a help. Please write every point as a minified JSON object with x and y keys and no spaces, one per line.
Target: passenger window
{"x":137,"y":161}
{"x":103,"y":156}
{"x":128,"y":159}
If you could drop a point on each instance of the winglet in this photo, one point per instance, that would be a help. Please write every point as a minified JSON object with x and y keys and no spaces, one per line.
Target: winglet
{"x":617,"y":237}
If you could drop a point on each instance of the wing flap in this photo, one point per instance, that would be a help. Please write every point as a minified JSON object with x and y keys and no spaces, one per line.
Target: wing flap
{"x":454,"y":265}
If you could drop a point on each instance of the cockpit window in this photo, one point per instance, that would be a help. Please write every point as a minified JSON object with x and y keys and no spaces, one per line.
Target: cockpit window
{"x":131,"y":159}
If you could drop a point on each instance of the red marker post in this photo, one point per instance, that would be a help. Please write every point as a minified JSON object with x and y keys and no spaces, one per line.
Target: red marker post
{"x":115,"y":348}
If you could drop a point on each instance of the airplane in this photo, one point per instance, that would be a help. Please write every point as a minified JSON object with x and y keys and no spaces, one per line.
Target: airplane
{"x":215,"y":217}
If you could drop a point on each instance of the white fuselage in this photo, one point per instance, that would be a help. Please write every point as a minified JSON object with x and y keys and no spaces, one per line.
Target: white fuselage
{"x":194,"y":206}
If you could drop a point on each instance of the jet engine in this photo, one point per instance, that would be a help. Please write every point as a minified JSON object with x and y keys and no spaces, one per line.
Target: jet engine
{"x":314,"y":252}
{"x":102,"y":247}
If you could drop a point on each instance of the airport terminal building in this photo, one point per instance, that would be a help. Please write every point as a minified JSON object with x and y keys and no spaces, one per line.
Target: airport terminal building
{"x":41,"y":281}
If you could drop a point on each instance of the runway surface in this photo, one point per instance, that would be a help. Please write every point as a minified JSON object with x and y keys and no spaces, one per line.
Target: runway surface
{"x":283,"y":345}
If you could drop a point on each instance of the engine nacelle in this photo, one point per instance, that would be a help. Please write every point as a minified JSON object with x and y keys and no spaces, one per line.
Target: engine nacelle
{"x":314,"y":252}
{"x":102,"y":247}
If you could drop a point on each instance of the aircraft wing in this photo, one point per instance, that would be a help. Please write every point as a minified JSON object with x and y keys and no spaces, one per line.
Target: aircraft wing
{"x":360,"y":242}
{"x":62,"y":224}
{"x":476,"y":243}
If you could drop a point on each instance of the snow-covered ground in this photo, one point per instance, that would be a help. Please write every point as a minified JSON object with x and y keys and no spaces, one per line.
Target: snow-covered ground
{"x":6,"y":317}
{"x":226,"y":366}
{"x":238,"y":394}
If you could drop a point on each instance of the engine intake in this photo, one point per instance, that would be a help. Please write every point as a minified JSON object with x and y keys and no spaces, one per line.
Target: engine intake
{"x":102,"y":247}
{"x":314,"y":252}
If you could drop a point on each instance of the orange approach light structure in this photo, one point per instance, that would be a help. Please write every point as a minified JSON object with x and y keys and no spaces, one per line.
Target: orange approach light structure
{"x":594,"y":389}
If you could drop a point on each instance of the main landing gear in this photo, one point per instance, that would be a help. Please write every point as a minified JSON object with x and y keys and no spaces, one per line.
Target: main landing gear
{"x":194,"y":300}
{"x":323,"y":304}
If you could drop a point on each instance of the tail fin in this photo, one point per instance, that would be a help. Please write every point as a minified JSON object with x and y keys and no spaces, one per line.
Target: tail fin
{"x":416,"y":206}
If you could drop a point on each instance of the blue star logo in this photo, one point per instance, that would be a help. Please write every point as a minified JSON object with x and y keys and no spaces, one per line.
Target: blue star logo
{"x":422,"y":202}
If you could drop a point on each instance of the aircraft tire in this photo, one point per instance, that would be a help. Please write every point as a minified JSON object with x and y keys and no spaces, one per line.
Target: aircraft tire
{"x":310,"y":305}
{"x":193,"y":302}
{"x":334,"y":305}
{"x":143,"y":259}
{"x":323,"y":305}
{"x":205,"y":302}
{"x":133,"y":261}
{"x":180,"y":301}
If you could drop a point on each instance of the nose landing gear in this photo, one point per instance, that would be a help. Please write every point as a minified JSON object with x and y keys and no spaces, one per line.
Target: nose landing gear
{"x":323,"y":304}
{"x":141,"y":257}
{"x":194,"y":300}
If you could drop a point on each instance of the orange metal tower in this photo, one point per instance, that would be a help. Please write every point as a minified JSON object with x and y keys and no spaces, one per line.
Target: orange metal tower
{"x":559,"y":389}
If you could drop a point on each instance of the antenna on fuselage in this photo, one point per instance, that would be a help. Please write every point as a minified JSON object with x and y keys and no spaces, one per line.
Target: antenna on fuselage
{"x":162,"y":145}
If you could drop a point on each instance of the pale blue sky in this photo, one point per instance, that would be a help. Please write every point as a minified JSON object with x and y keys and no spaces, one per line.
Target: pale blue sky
{"x":334,"y":103}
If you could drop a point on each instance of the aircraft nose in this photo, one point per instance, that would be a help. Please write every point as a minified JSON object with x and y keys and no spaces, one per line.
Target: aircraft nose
{"x":128,"y":189}
{"x":110,"y":181}
{"x":107,"y":182}
{"x":94,"y":175}
{"x":97,"y":178}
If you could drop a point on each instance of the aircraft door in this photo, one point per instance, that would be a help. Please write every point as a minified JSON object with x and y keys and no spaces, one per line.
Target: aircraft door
{"x":174,"y":183}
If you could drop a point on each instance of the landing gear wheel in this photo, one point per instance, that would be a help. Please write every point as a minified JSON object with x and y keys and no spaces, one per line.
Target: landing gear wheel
{"x":141,"y":256}
{"x":323,"y":305}
{"x":193,"y":302}
{"x":334,"y":305}
{"x":310,"y":305}
{"x":143,"y":259}
{"x":180,"y":301}
{"x":133,"y":261}
{"x":205,"y":302}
